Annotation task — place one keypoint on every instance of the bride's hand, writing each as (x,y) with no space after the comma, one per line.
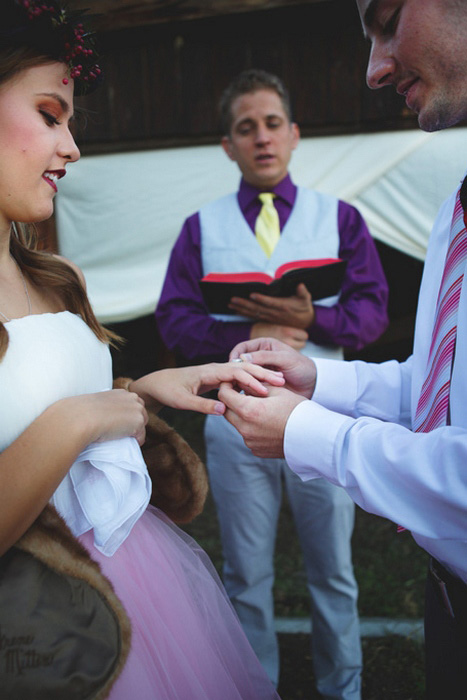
(181,387)
(109,415)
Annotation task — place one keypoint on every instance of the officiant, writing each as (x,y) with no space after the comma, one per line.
(268,222)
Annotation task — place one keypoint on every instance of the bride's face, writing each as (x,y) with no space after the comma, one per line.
(36,106)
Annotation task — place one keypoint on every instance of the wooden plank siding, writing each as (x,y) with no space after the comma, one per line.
(163,80)
(120,14)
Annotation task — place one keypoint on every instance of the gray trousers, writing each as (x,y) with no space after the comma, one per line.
(247,492)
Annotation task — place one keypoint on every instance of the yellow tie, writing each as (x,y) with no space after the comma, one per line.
(267,228)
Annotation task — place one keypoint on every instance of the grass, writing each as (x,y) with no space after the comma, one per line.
(393,669)
(390,569)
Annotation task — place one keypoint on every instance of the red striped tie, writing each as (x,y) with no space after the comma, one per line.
(433,404)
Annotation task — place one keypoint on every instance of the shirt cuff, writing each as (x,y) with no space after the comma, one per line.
(309,441)
(336,385)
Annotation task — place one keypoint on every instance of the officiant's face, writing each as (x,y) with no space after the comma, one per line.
(262,138)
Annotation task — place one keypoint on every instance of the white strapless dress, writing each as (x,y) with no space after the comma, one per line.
(187,643)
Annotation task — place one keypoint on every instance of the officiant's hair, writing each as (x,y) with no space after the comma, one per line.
(248,81)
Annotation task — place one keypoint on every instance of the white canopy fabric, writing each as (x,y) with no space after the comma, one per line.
(119,215)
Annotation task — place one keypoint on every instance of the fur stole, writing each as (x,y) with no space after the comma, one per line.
(67,608)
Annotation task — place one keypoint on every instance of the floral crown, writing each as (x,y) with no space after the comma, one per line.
(53,30)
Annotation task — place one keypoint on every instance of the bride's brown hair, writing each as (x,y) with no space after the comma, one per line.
(48,271)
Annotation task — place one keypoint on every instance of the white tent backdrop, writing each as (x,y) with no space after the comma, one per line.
(118,215)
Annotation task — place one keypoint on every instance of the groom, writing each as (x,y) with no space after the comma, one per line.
(394,436)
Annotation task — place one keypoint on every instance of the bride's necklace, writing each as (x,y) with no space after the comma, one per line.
(26,291)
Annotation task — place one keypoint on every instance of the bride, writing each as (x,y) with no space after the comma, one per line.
(65,436)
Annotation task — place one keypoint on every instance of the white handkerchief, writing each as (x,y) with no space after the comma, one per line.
(107,489)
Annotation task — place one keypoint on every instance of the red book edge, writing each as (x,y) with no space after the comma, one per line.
(262,276)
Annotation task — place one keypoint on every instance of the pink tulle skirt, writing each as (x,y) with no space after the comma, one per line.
(187,643)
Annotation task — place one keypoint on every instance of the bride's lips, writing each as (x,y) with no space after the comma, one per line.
(51,177)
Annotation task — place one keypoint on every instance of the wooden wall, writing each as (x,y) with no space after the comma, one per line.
(163,80)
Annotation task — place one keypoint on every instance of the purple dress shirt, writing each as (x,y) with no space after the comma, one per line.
(359,317)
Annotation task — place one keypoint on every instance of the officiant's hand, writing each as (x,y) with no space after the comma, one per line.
(293,337)
(295,311)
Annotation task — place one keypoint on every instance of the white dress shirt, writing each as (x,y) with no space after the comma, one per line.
(356,432)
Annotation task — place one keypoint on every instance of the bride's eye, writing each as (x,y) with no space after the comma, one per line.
(49,118)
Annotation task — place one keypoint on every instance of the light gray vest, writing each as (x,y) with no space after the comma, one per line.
(311,231)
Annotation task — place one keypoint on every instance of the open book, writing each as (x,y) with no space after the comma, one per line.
(323,278)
